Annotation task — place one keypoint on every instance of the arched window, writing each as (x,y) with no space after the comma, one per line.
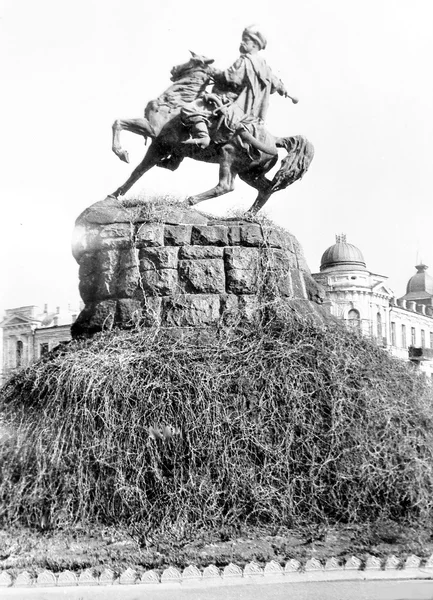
(19,353)
(354,318)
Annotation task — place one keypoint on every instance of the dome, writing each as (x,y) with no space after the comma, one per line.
(342,256)
(419,285)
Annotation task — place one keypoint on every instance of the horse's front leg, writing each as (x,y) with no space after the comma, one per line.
(227,175)
(264,187)
(153,155)
(139,126)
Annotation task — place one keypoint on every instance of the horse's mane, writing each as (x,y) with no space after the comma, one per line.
(185,89)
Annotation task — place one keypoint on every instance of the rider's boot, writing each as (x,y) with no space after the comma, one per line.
(200,135)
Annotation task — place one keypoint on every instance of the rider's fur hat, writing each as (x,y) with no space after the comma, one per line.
(253,32)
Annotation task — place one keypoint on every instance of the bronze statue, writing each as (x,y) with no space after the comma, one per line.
(245,86)
(227,125)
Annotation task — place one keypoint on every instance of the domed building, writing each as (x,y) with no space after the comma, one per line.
(420,287)
(355,294)
(362,298)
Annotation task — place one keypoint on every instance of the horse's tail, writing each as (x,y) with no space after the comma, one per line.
(300,153)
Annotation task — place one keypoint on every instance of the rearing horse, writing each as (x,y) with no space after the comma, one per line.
(249,156)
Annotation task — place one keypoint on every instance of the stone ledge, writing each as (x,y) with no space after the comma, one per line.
(331,569)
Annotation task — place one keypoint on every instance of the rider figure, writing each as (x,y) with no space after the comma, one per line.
(246,85)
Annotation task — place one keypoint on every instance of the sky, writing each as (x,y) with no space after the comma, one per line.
(361,71)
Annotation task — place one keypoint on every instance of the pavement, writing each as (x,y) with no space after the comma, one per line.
(321,590)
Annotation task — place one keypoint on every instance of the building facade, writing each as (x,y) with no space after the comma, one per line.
(29,332)
(404,326)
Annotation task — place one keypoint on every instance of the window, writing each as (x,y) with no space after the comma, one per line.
(412,336)
(19,353)
(379,325)
(422,338)
(431,339)
(354,318)
(43,349)
(403,336)
(393,334)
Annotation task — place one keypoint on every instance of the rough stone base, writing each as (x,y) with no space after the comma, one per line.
(166,265)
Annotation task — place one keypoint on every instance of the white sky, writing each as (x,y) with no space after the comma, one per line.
(362,70)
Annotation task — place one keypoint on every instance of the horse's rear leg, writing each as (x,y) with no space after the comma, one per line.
(150,160)
(139,126)
(226,183)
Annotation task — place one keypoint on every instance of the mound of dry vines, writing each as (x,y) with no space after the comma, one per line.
(285,422)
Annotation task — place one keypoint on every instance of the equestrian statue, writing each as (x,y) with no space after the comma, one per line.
(223,125)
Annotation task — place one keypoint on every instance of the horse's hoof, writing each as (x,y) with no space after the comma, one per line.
(189,201)
(124,156)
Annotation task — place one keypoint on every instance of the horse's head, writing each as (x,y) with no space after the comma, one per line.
(197,62)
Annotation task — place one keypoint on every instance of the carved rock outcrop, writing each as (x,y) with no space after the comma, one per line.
(152,263)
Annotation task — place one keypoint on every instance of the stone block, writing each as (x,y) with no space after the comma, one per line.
(229,308)
(127,283)
(128,313)
(242,270)
(149,234)
(249,307)
(116,235)
(251,235)
(276,283)
(127,276)
(205,276)
(160,283)
(88,263)
(277,259)
(299,254)
(109,210)
(315,291)
(298,284)
(158,258)
(234,235)
(101,285)
(106,285)
(241,258)
(151,314)
(200,252)
(276,238)
(242,281)
(190,310)
(88,288)
(209,235)
(177,235)
(84,239)
(107,259)
(96,316)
